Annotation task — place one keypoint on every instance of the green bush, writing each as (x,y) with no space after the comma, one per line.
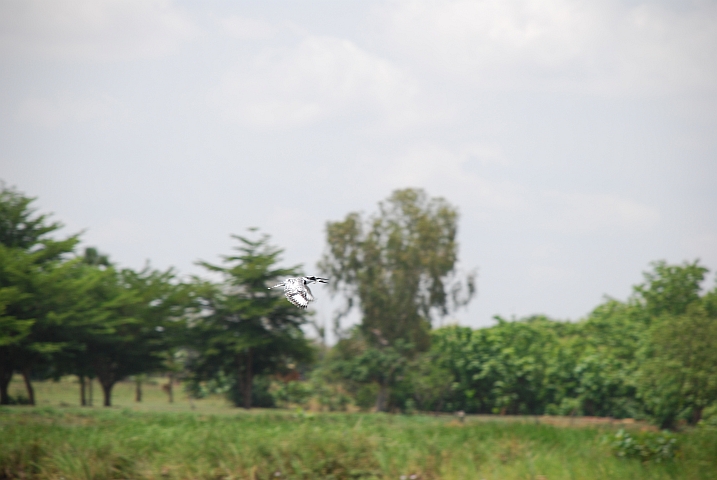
(647,446)
(261,397)
(366,396)
(709,417)
(286,394)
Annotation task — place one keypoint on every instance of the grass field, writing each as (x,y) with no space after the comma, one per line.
(156,440)
(66,393)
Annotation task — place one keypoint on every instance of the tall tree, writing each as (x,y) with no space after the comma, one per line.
(671,289)
(245,329)
(677,377)
(80,364)
(29,258)
(399,266)
(13,331)
(134,311)
(82,317)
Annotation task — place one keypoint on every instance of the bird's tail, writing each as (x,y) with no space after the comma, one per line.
(277,285)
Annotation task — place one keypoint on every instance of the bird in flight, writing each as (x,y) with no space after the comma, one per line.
(297,289)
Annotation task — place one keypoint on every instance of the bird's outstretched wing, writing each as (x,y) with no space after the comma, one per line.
(299,298)
(297,293)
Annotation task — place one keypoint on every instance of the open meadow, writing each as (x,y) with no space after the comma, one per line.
(154,439)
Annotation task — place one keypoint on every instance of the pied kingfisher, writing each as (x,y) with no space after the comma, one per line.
(297,289)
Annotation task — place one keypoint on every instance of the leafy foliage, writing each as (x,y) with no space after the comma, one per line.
(646,446)
(652,356)
(241,328)
(397,266)
(30,264)
(679,374)
(621,361)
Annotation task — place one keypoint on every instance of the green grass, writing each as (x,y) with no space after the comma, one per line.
(155,439)
(72,443)
(66,393)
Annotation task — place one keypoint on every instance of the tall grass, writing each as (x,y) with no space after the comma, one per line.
(47,443)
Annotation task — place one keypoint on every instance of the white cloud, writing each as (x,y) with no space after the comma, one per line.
(549,273)
(320,78)
(599,47)
(65,108)
(117,231)
(452,174)
(703,246)
(104,30)
(246,28)
(588,213)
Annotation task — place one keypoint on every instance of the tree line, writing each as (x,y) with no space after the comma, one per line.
(65,312)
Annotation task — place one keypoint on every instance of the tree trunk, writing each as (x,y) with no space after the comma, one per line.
(170,390)
(91,391)
(5,377)
(696,415)
(382,397)
(589,407)
(28,385)
(107,391)
(83,397)
(137,389)
(245,377)
(106,377)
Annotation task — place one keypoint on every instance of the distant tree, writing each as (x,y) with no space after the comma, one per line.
(79,362)
(13,331)
(509,368)
(671,289)
(652,356)
(20,226)
(241,328)
(679,376)
(427,383)
(398,266)
(134,308)
(93,257)
(606,362)
(355,361)
(30,260)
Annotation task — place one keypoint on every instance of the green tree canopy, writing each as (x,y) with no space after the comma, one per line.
(134,309)
(677,376)
(29,260)
(241,328)
(398,265)
(670,289)
(20,227)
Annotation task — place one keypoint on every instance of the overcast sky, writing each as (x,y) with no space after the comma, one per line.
(578,139)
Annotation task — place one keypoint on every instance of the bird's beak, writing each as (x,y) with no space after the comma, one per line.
(322,280)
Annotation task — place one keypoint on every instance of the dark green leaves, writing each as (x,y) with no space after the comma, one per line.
(241,328)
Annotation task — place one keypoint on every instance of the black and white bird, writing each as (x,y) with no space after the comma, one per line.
(297,289)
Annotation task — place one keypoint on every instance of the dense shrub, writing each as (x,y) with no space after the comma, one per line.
(646,446)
